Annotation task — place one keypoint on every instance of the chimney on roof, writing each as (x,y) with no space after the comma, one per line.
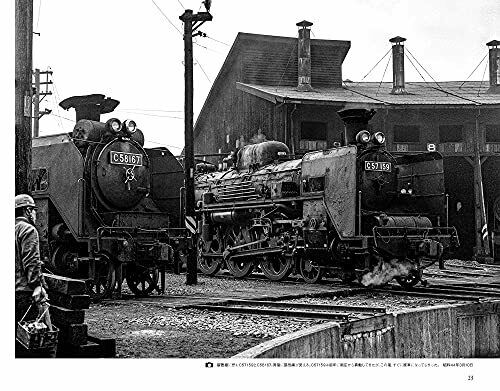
(494,62)
(304,53)
(398,65)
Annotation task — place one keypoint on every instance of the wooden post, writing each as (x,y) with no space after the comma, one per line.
(24,58)
(482,248)
(36,104)
(188,18)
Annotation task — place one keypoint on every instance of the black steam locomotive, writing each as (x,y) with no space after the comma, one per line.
(108,207)
(355,211)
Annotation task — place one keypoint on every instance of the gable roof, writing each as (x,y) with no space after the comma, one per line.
(273,60)
(444,94)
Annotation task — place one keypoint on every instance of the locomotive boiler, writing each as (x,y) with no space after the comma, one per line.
(356,211)
(108,207)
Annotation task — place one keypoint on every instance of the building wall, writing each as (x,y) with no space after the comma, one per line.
(429,121)
(230,114)
(459,172)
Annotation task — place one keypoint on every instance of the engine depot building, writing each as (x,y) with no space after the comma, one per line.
(290,89)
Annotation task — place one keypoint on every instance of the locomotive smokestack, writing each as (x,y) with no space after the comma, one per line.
(398,66)
(90,106)
(304,59)
(494,62)
(355,120)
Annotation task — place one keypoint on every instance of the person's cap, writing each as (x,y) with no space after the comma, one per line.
(23,200)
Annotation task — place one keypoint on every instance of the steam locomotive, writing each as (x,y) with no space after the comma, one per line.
(356,211)
(108,207)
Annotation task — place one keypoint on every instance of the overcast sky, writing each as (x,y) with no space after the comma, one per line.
(133,52)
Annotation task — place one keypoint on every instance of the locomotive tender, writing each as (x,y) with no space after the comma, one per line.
(355,211)
(108,207)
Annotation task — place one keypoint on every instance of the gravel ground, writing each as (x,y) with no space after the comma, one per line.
(155,331)
(387,301)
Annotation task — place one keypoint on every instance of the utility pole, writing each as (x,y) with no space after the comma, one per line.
(482,248)
(24,59)
(36,99)
(191,23)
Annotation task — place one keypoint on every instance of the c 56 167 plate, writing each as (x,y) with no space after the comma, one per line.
(130,159)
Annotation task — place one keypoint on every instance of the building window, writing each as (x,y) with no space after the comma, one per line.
(313,131)
(312,136)
(451,133)
(406,134)
(493,133)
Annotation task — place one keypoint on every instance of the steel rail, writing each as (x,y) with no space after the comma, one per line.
(326,307)
(271,312)
(443,296)
(471,292)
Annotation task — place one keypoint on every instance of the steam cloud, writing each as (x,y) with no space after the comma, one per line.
(258,138)
(385,271)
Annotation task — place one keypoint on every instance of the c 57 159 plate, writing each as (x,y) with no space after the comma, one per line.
(130,159)
(378,166)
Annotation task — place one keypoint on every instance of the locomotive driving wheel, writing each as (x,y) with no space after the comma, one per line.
(142,280)
(239,267)
(276,267)
(101,279)
(209,265)
(310,272)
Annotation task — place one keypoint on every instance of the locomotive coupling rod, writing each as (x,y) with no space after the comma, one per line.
(247,244)
(253,252)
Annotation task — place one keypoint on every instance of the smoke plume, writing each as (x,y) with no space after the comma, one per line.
(385,271)
(258,138)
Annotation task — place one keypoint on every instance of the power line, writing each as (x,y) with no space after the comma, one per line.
(166,17)
(60,116)
(179,31)
(38,17)
(149,115)
(216,40)
(163,144)
(160,110)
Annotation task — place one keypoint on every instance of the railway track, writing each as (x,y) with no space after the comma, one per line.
(460,292)
(342,313)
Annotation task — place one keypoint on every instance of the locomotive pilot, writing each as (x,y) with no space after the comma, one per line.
(30,284)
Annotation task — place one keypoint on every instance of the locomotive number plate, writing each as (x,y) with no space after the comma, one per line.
(378,166)
(131,159)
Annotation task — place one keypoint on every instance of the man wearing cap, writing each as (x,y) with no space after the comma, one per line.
(30,284)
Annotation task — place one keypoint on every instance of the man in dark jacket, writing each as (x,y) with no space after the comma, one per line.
(30,284)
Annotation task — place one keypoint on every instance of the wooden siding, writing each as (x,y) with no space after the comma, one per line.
(277,64)
(448,331)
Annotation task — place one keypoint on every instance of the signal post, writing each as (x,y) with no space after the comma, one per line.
(191,23)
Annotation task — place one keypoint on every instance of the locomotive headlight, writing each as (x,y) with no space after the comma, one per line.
(378,138)
(403,191)
(363,137)
(114,124)
(130,126)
